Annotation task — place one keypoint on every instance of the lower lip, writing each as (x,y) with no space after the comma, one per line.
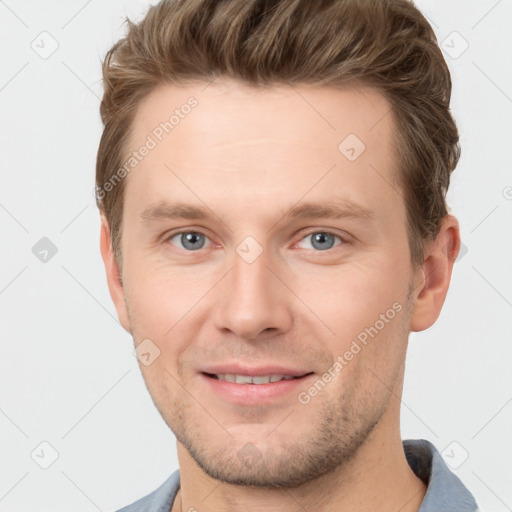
(257,394)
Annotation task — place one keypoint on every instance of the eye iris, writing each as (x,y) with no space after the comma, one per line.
(192,241)
(322,241)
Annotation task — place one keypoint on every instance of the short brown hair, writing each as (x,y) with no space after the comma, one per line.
(384,44)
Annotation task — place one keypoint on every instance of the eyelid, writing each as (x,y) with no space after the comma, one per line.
(181,230)
(169,235)
(345,239)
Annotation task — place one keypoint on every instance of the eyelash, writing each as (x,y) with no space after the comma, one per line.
(343,241)
(184,232)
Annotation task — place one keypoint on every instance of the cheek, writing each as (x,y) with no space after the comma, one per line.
(349,298)
(364,307)
(164,305)
(160,297)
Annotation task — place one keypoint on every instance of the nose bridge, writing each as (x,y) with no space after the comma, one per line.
(250,279)
(251,299)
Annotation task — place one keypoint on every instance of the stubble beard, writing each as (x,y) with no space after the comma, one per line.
(344,425)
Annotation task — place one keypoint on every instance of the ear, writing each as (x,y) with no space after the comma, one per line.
(432,279)
(114,281)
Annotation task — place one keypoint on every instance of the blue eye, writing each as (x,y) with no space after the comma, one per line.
(189,240)
(321,241)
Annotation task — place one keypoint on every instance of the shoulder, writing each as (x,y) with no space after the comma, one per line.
(160,500)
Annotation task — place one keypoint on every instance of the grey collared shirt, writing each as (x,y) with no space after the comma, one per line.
(445,491)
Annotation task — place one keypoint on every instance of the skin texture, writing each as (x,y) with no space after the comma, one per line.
(248,156)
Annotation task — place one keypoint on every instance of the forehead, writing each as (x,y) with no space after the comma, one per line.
(283,111)
(273,142)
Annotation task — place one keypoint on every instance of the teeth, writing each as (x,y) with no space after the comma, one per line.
(243,379)
(247,379)
(262,379)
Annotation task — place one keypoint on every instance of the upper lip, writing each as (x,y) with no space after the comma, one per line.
(254,371)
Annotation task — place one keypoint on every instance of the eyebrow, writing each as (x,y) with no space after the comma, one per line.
(331,210)
(163,210)
(342,208)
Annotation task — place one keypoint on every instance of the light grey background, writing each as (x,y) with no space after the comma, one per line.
(68,376)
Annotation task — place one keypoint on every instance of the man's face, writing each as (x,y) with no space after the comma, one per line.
(254,244)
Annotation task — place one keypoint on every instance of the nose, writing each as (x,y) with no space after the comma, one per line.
(252,301)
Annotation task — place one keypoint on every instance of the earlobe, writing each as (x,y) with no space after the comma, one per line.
(433,278)
(114,280)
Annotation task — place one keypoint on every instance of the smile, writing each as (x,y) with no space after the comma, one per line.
(248,379)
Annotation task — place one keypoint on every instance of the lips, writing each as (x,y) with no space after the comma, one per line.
(245,374)
(251,379)
(253,385)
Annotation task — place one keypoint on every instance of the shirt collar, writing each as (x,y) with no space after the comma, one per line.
(445,491)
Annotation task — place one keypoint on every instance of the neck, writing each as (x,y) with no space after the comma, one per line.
(376,477)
